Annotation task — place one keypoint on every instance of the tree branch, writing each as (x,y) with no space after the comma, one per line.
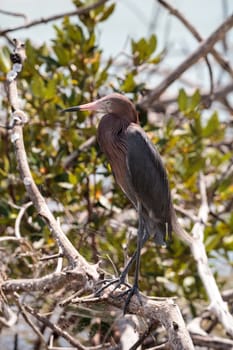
(201,51)
(195,241)
(36,22)
(18,120)
(221,60)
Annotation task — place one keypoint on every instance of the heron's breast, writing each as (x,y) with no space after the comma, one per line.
(113,143)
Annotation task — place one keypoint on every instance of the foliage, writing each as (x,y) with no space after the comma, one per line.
(83,193)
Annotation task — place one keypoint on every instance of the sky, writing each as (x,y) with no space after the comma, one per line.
(132,19)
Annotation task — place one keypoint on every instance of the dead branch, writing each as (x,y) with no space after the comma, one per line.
(212,342)
(48,283)
(221,60)
(14,14)
(196,243)
(19,218)
(194,32)
(80,11)
(58,330)
(29,322)
(201,51)
(219,94)
(18,121)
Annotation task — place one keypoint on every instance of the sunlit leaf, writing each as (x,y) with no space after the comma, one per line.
(182,100)
(212,125)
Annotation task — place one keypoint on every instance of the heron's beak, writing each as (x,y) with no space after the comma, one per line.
(92,106)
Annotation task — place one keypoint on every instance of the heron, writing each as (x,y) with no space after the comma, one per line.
(138,170)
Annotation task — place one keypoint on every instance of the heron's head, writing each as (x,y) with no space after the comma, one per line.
(111,104)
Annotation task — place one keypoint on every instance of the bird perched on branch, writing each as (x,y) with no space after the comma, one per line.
(138,170)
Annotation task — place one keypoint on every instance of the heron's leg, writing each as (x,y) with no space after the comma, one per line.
(121,279)
(140,241)
(144,238)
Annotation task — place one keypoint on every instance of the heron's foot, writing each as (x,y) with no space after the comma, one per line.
(119,281)
(134,290)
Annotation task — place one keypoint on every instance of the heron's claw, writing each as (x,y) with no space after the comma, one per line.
(119,281)
(134,290)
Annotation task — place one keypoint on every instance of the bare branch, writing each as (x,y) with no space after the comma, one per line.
(36,22)
(18,120)
(14,14)
(19,218)
(29,322)
(221,60)
(176,13)
(10,317)
(218,94)
(51,282)
(201,51)
(195,241)
(212,342)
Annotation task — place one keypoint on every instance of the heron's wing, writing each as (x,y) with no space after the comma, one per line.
(148,179)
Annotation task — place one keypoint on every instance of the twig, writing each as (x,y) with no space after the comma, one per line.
(29,322)
(10,238)
(222,61)
(164,346)
(54,327)
(10,318)
(36,22)
(59,331)
(201,51)
(83,147)
(191,28)
(51,347)
(186,213)
(14,14)
(19,218)
(51,257)
(217,95)
(54,318)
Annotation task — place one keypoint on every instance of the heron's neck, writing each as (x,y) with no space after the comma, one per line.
(113,142)
(111,134)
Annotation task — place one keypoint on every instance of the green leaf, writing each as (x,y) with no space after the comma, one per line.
(129,83)
(212,242)
(50,91)
(152,43)
(211,126)
(106,13)
(182,100)
(195,100)
(38,87)
(4,60)
(143,49)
